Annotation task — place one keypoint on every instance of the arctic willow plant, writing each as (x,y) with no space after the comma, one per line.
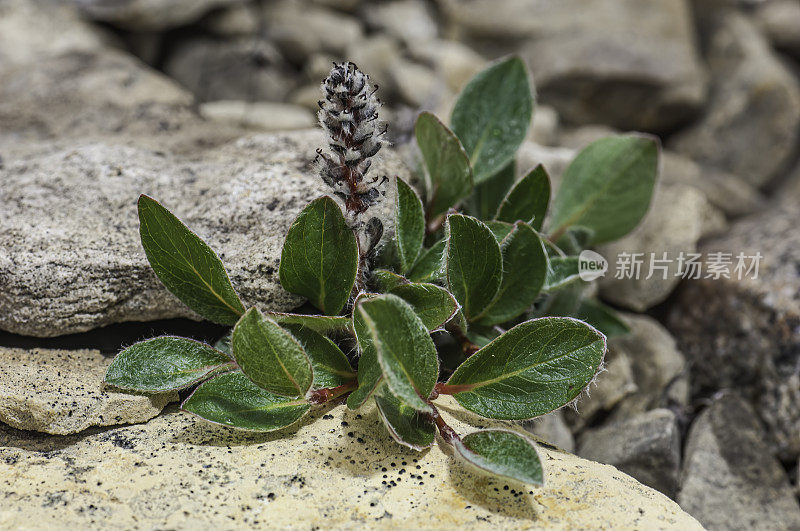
(496,283)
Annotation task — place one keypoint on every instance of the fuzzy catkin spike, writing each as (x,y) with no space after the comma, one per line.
(349,114)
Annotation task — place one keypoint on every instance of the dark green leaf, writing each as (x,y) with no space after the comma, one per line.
(369,370)
(575,239)
(561,270)
(320,256)
(500,229)
(429,266)
(492,115)
(223,344)
(602,317)
(409,229)
(536,367)
(406,353)
(270,356)
(433,304)
(528,199)
(330,365)
(406,425)
(386,280)
(608,186)
(164,364)
(324,324)
(232,399)
(487,196)
(563,302)
(446,163)
(503,453)
(186,265)
(474,263)
(524,270)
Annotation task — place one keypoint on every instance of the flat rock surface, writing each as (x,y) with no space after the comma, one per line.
(70,255)
(340,471)
(62,392)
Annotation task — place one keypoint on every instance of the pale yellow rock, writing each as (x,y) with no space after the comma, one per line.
(336,469)
(62,392)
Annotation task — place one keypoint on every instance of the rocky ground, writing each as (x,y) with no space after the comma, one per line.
(207,104)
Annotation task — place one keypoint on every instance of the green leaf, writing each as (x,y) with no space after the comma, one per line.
(528,199)
(369,370)
(320,256)
(270,356)
(324,324)
(503,453)
(330,366)
(561,271)
(524,270)
(406,425)
(232,399)
(433,304)
(575,239)
(492,115)
(607,188)
(448,171)
(406,353)
(602,317)
(429,266)
(534,368)
(387,280)
(164,364)
(487,196)
(186,265)
(409,225)
(474,263)
(500,229)
(223,344)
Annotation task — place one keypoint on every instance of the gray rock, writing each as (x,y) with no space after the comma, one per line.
(236,20)
(780,21)
(149,15)
(553,429)
(245,68)
(408,20)
(658,367)
(609,388)
(743,333)
(673,225)
(417,84)
(81,266)
(729,479)
(178,472)
(751,126)
(375,55)
(62,392)
(262,115)
(623,63)
(455,62)
(300,30)
(646,446)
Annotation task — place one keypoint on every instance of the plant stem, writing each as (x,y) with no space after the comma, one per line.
(442,388)
(468,347)
(448,434)
(321,396)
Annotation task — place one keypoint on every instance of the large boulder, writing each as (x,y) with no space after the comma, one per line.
(70,256)
(744,333)
(627,63)
(336,469)
(729,479)
(752,124)
(62,392)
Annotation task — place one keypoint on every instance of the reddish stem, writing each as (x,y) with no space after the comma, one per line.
(321,396)
(442,388)
(448,434)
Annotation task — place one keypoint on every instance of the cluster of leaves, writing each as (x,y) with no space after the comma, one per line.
(469,297)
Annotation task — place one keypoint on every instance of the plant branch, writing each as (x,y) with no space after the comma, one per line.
(448,434)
